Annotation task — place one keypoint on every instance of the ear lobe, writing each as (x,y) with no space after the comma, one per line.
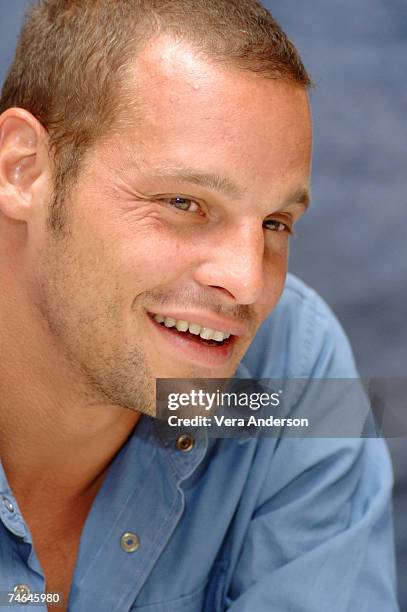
(20,163)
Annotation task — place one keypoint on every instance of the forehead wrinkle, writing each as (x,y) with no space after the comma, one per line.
(208,180)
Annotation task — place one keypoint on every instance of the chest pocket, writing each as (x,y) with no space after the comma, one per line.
(193,602)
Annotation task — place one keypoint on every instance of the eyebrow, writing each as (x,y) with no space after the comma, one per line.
(222,184)
(301,196)
(208,180)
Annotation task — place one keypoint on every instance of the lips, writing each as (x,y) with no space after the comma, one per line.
(192,347)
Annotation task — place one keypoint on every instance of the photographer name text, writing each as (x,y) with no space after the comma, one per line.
(222,421)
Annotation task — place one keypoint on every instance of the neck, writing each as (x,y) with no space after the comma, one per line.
(53,437)
(63,451)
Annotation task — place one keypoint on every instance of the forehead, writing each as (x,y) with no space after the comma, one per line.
(189,106)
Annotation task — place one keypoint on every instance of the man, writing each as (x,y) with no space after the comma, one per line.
(154,159)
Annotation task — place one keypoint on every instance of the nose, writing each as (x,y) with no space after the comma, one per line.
(234,262)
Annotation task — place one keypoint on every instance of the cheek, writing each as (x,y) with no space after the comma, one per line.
(152,252)
(275,273)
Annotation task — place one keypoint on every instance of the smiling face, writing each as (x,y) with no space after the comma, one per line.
(180,221)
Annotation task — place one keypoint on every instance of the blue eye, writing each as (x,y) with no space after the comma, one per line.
(185,204)
(277,226)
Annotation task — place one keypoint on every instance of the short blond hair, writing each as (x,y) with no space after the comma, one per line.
(70,66)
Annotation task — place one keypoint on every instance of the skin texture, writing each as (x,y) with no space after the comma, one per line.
(79,355)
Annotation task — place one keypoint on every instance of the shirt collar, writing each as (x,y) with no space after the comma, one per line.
(182,463)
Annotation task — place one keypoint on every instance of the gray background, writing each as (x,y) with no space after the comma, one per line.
(352,247)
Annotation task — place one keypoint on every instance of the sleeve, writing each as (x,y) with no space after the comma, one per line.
(320,535)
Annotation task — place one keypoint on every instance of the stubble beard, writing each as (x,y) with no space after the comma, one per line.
(102,371)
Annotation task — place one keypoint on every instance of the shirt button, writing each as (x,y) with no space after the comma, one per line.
(7,503)
(185,443)
(22,590)
(129,542)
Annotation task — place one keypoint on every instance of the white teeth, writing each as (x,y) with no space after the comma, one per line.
(168,322)
(195,329)
(206,333)
(182,326)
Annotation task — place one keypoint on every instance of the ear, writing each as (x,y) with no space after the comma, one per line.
(23,161)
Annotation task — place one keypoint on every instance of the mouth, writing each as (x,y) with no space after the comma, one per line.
(199,343)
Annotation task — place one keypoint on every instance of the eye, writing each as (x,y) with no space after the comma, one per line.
(181,203)
(277,226)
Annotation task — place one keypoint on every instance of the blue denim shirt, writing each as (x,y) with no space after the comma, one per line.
(246,525)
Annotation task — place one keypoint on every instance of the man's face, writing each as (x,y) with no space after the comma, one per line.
(182,218)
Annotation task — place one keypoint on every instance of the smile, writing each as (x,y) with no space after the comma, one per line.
(197,341)
(205,333)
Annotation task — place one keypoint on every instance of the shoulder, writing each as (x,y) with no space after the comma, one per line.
(300,338)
